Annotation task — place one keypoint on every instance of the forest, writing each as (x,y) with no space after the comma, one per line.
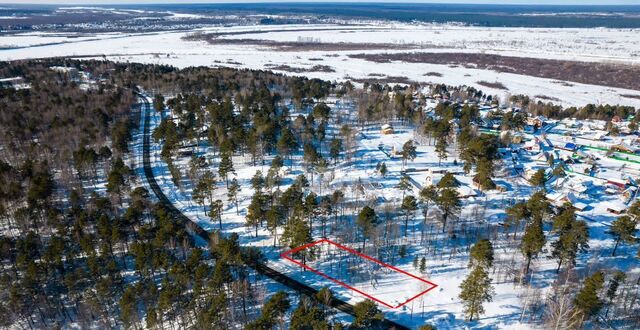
(83,242)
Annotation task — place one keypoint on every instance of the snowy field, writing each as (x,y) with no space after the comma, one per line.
(601,45)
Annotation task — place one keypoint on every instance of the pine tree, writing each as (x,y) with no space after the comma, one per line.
(204,188)
(297,233)
(538,179)
(256,211)
(623,229)
(287,143)
(587,300)
(428,195)
(408,152)
(272,312)
(334,150)
(257,181)
(308,316)
(481,254)
(516,214)
(409,206)
(215,211)
(612,291)
(366,314)
(366,221)
(448,180)
(225,167)
(533,241)
(449,203)
(427,327)
(404,184)
(158,102)
(441,149)
(476,290)
(275,218)
(232,193)
(383,169)
(573,237)
(538,206)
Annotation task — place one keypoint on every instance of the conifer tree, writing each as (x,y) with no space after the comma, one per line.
(441,149)
(428,195)
(367,314)
(427,327)
(449,203)
(408,152)
(215,211)
(404,184)
(533,241)
(256,211)
(476,290)
(623,229)
(409,206)
(335,148)
(573,237)
(481,254)
(297,233)
(225,167)
(612,290)
(366,221)
(587,300)
(515,215)
(423,265)
(287,143)
(383,169)
(538,179)
(232,193)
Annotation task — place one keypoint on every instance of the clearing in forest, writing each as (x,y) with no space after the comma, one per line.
(372,278)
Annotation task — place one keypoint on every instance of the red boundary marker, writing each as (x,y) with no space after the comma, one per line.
(286,255)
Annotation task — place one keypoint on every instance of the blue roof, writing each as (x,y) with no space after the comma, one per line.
(570,145)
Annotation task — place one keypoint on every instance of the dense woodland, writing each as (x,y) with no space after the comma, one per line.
(82,242)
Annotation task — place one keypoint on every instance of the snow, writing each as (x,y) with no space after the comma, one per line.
(446,258)
(603,45)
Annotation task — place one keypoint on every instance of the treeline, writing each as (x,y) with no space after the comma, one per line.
(604,112)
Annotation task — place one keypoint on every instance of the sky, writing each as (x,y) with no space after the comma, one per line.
(506,2)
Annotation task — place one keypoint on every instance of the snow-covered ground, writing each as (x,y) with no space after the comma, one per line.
(602,45)
(446,258)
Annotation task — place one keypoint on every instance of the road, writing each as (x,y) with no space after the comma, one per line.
(195,230)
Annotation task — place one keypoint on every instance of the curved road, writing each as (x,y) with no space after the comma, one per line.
(195,230)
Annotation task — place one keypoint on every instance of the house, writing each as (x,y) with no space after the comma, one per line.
(622,147)
(599,136)
(618,183)
(465,191)
(616,208)
(557,198)
(579,187)
(629,193)
(532,145)
(537,122)
(569,146)
(580,206)
(616,119)
(71,72)
(386,129)
(13,82)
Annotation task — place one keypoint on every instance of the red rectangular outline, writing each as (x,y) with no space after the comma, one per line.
(286,254)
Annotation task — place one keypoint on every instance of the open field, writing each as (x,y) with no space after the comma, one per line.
(339,45)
